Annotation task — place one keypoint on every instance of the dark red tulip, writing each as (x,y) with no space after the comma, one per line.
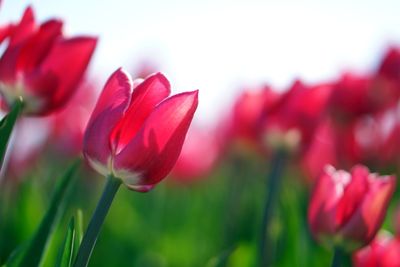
(384,251)
(358,95)
(40,65)
(390,65)
(347,209)
(136,131)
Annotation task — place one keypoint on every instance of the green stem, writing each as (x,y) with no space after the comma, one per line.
(90,237)
(7,125)
(273,189)
(338,257)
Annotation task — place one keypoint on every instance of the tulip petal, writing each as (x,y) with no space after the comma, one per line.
(34,50)
(366,220)
(109,109)
(25,28)
(66,62)
(5,31)
(144,98)
(150,156)
(322,209)
(353,194)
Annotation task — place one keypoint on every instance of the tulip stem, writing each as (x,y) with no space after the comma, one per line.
(273,189)
(338,256)
(7,125)
(90,237)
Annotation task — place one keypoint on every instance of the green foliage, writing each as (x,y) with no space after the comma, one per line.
(30,254)
(67,251)
(6,127)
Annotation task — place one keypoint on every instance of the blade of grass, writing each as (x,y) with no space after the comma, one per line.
(35,249)
(65,257)
(78,230)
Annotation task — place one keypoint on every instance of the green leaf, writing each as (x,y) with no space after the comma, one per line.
(79,225)
(221,260)
(6,127)
(37,245)
(65,258)
(16,256)
(78,230)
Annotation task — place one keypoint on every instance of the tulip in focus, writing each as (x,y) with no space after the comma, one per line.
(40,65)
(347,209)
(136,132)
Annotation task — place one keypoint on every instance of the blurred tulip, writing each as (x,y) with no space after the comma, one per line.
(40,65)
(357,95)
(384,251)
(246,115)
(138,135)
(347,209)
(69,123)
(321,152)
(200,154)
(301,109)
(390,65)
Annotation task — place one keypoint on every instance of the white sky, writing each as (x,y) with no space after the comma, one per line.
(217,46)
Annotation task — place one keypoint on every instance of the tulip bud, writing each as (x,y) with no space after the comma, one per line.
(347,209)
(136,133)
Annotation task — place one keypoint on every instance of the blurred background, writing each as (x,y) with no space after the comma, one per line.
(208,212)
(220,46)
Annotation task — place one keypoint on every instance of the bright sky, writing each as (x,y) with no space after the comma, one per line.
(217,46)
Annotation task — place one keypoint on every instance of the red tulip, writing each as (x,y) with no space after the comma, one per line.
(347,209)
(137,135)
(384,251)
(246,114)
(40,65)
(390,65)
(321,151)
(358,95)
(300,109)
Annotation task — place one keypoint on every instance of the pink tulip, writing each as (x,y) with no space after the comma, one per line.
(135,132)
(384,251)
(347,209)
(40,65)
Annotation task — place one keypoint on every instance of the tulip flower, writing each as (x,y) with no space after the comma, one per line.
(390,65)
(384,251)
(39,69)
(134,136)
(300,110)
(246,114)
(40,65)
(137,135)
(347,209)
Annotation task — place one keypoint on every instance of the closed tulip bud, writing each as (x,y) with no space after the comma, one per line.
(136,132)
(347,209)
